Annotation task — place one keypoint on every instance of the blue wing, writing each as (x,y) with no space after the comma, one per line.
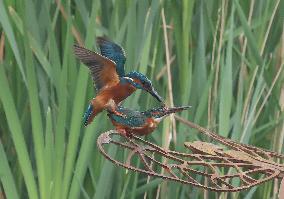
(113,52)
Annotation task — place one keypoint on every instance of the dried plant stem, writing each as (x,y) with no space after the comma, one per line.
(148,178)
(170,87)
(281,100)
(249,94)
(268,93)
(2,44)
(279,136)
(210,102)
(280,68)
(168,62)
(164,69)
(243,66)
(269,27)
(223,16)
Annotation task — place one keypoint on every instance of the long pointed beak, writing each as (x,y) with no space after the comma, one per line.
(161,114)
(169,111)
(176,109)
(155,94)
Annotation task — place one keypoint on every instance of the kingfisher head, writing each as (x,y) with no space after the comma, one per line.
(140,81)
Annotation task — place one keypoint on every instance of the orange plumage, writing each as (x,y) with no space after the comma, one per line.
(149,126)
(116,93)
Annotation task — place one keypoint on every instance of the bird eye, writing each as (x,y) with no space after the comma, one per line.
(147,86)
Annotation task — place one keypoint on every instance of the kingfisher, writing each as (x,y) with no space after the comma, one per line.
(110,80)
(140,122)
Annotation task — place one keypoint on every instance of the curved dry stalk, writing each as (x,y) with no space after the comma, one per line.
(169,75)
(205,166)
(2,45)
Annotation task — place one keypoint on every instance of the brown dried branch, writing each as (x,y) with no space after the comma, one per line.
(169,75)
(251,165)
(2,45)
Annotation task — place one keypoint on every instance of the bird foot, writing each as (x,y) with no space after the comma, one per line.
(111,107)
(119,114)
(164,106)
(125,133)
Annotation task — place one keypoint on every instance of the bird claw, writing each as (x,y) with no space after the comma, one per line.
(111,107)
(125,133)
(119,114)
(164,106)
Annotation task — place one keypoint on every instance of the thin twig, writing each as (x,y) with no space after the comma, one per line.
(280,144)
(210,101)
(250,119)
(280,137)
(223,16)
(148,178)
(245,38)
(169,89)
(249,95)
(269,27)
(269,92)
(243,63)
(2,45)
(210,94)
(164,69)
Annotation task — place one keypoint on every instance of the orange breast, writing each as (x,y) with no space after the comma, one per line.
(121,92)
(149,127)
(118,93)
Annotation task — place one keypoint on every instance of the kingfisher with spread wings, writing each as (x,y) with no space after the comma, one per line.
(110,80)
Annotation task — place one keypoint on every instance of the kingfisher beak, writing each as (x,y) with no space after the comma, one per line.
(155,94)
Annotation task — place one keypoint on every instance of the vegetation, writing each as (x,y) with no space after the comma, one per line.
(224,58)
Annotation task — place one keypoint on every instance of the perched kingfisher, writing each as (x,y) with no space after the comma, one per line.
(140,123)
(107,70)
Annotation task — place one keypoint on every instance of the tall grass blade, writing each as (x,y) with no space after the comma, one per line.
(17,135)
(6,176)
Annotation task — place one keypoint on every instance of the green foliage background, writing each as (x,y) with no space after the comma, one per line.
(226,61)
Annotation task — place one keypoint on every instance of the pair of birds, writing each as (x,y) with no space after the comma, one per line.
(113,86)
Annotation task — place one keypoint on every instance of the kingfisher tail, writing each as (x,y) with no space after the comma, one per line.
(87,116)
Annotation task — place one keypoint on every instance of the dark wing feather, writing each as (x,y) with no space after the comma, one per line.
(103,70)
(113,52)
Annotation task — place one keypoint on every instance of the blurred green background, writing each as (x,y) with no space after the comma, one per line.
(224,58)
